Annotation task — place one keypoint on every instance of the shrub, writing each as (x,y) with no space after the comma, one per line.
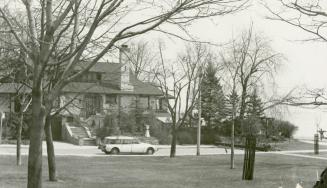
(186,137)
(110,127)
(161,133)
(13,124)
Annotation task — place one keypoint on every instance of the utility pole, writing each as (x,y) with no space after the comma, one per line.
(199,116)
(1,127)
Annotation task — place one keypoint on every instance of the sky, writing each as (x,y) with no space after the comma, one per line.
(305,64)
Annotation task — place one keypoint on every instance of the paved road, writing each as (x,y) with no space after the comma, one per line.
(65,149)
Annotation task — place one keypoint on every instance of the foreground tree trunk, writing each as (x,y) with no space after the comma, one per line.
(50,150)
(249,158)
(34,179)
(19,139)
(173,142)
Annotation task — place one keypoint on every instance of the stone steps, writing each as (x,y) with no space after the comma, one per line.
(79,132)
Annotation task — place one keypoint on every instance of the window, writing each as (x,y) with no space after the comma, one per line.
(127,141)
(111,141)
(111,99)
(93,104)
(98,76)
(136,142)
(91,77)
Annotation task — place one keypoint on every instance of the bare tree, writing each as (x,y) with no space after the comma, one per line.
(13,72)
(141,59)
(232,100)
(246,63)
(24,101)
(309,16)
(179,84)
(251,59)
(89,38)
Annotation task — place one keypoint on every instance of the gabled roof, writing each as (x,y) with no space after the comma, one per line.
(102,67)
(113,75)
(140,88)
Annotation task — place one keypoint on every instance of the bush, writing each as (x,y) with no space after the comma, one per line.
(161,133)
(13,124)
(186,137)
(110,127)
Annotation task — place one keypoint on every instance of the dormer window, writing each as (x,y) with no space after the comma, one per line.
(91,77)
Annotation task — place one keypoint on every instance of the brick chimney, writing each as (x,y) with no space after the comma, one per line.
(125,83)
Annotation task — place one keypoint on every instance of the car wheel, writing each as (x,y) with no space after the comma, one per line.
(114,151)
(150,151)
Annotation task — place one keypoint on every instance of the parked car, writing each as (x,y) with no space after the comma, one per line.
(125,144)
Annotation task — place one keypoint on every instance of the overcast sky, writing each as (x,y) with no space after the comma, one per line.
(305,64)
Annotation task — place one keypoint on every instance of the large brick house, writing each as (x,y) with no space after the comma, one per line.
(106,88)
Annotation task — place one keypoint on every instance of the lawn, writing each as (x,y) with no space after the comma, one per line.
(295,145)
(271,170)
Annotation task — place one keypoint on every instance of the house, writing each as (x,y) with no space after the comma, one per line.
(105,89)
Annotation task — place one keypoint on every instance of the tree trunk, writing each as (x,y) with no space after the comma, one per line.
(36,136)
(232,144)
(19,139)
(249,158)
(173,142)
(50,150)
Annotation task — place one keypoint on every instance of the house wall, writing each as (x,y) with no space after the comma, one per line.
(127,102)
(111,78)
(76,105)
(110,106)
(124,103)
(153,103)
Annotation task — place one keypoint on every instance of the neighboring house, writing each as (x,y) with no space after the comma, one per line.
(106,88)
(8,94)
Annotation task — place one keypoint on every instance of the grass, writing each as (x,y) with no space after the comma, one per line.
(271,170)
(295,145)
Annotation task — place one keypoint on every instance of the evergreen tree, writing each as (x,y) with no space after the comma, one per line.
(254,113)
(255,106)
(212,96)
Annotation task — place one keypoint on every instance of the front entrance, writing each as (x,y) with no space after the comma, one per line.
(93,104)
